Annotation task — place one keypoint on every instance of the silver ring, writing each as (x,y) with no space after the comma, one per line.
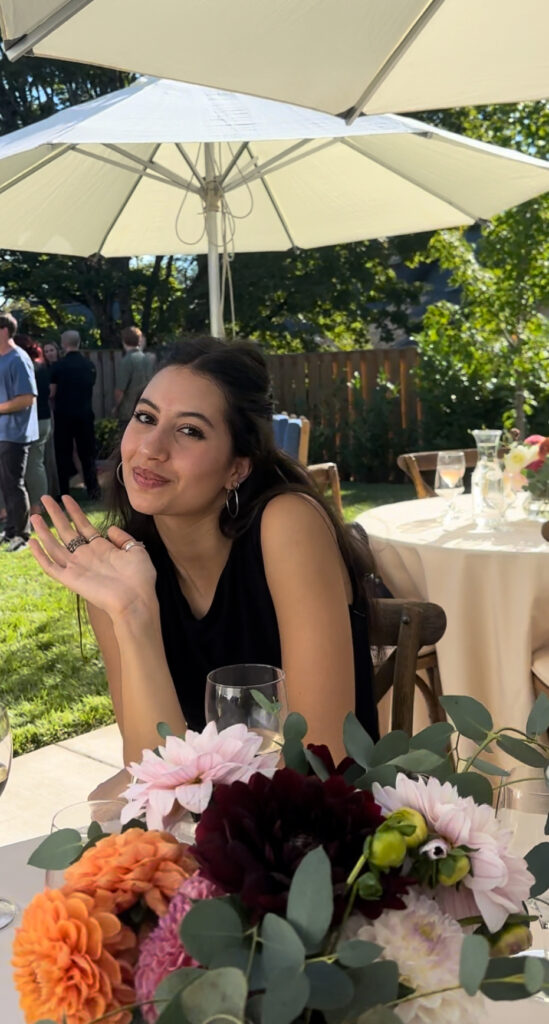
(132,544)
(94,537)
(75,543)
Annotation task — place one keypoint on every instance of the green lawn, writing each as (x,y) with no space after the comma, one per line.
(50,690)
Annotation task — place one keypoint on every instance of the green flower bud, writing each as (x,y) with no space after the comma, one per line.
(511,939)
(461,866)
(369,887)
(408,817)
(388,849)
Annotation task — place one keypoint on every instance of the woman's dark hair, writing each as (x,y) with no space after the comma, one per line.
(240,371)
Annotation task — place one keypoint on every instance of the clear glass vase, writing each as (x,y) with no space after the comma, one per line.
(487,482)
(536,507)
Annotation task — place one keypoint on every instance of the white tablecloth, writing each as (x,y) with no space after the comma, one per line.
(493,587)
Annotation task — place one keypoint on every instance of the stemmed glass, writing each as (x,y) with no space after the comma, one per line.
(252,695)
(449,481)
(7,907)
(524,807)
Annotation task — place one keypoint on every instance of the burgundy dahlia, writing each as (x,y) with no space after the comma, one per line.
(252,837)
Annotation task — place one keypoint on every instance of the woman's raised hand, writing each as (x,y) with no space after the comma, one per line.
(112,573)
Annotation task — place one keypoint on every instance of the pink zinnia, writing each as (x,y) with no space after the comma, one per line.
(161,952)
(500,881)
(184,771)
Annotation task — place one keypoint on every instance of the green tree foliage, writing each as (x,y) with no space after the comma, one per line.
(484,359)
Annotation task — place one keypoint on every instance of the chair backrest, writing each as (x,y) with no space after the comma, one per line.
(415,464)
(291,433)
(405,626)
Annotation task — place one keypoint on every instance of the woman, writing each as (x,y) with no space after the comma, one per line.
(51,352)
(222,554)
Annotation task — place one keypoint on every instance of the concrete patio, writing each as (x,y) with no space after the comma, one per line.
(42,782)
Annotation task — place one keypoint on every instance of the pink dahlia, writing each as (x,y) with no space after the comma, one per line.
(184,771)
(499,881)
(161,952)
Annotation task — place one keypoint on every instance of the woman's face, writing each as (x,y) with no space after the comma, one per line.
(50,353)
(177,452)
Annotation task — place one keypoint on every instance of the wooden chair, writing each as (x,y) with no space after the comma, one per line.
(326,477)
(415,464)
(407,627)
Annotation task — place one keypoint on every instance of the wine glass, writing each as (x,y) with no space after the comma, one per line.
(252,695)
(524,807)
(449,481)
(7,907)
(79,816)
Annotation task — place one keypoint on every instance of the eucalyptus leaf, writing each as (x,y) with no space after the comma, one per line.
(163,730)
(57,850)
(534,974)
(331,988)
(134,823)
(472,784)
(170,1014)
(95,831)
(435,737)
(538,719)
(522,751)
(487,768)
(375,984)
(295,726)
(217,994)
(469,716)
(385,774)
(282,946)
(176,981)
(272,707)
(390,747)
(293,753)
(317,765)
(285,997)
(355,953)
(311,898)
(358,744)
(208,928)
(546,829)
(475,954)
(538,864)
(239,956)
(494,985)
(353,772)
(418,761)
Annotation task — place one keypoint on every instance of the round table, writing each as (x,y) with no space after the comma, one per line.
(494,588)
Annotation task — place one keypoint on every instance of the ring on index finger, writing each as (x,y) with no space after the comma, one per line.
(75,543)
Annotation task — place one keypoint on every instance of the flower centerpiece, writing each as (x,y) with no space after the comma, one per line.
(527,468)
(380,890)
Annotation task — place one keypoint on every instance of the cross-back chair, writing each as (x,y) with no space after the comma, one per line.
(407,627)
(419,465)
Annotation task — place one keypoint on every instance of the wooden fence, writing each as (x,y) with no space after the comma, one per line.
(313,384)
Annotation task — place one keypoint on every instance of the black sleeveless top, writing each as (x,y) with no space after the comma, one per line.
(239,627)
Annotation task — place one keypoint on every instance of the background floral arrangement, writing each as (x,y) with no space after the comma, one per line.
(376,891)
(527,466)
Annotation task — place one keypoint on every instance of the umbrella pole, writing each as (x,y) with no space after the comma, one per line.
(212,207)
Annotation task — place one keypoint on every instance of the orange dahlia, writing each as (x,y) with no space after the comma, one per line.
(69,960)
(131,865)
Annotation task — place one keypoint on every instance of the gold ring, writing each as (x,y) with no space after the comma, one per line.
(75,543)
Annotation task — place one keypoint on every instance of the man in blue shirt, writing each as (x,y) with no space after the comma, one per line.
(18,427)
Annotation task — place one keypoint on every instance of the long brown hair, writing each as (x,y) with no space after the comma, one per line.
(239,369)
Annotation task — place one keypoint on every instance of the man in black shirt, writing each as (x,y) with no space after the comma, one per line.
(71,389)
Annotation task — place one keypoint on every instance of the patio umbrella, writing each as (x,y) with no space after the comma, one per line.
(360,55)
(164,167)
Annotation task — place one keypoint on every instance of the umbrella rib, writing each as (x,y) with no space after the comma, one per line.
(15,48)
(164,172)
(232,163)
(275,205)
(121,208)
(146,173)
(392,60)
(412,181)
(258,171)
(36,167)
(192,166)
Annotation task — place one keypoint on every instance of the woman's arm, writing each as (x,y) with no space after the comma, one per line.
(310,589)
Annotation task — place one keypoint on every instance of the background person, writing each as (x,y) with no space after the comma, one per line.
(242,561)
(36,477)
(18,428)
(71,389)
(134,373)
(51,352)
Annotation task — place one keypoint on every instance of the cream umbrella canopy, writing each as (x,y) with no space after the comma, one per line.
(341,56)
(165,167)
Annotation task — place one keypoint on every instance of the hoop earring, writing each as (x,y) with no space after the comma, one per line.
(234,509)
(119,476)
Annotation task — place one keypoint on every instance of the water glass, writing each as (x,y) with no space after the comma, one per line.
(251,695)
(449,475)
(80,816)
